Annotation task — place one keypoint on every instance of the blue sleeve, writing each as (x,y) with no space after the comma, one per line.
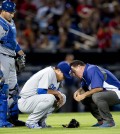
(18,48)
(41,91)
(97,79)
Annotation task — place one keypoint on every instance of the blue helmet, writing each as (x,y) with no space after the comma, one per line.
(8,6)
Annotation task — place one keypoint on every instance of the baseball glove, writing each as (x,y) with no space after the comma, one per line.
(72,124)
(20,63)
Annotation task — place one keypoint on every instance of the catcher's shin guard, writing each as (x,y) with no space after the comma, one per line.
(4,107)
(14,114)
(13,108)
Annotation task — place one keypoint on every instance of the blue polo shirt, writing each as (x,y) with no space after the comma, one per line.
(94,78)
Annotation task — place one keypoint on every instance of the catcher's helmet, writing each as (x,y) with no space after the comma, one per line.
(8,6)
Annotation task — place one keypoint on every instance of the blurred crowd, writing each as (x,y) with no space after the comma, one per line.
(56,25)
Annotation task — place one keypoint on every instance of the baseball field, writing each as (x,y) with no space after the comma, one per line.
(57,119)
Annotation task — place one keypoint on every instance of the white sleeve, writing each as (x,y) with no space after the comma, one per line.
(2,32)
(45,81)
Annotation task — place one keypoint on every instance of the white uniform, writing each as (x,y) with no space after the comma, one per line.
(38,105)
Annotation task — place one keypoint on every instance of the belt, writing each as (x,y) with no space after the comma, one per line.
(8,55)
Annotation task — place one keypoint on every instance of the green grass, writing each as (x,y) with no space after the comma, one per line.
(57,119)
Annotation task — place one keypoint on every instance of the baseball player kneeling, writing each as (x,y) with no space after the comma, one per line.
(40,95)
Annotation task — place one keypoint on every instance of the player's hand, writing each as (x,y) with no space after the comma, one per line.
(60,99)
(80,97)
(58,96)
(77,93)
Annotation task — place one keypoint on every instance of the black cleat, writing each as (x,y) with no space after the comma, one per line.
(17,122)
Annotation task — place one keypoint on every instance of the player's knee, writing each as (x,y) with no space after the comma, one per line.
(64,99)
(13,95)
(96,98)
(52,99)
(15,90)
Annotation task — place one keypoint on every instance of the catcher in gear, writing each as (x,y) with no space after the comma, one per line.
(9,48)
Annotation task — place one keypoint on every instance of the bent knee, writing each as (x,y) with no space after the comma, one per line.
(96,97)
(64,99)
(52,99)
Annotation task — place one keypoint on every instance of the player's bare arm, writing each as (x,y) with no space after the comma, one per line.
(78,92)
(79,97)
(20,52)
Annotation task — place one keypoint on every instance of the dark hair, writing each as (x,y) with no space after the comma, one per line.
(76,63)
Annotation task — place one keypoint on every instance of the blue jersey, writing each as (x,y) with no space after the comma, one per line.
(8,35)
(94,77)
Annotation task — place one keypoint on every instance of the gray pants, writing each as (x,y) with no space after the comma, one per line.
(7,65)
(99,103)
(38,106)
(9,70)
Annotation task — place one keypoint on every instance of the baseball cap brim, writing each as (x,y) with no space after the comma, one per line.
(67,76)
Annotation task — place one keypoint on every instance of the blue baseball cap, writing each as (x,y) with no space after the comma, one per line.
(65,69)
(8,6)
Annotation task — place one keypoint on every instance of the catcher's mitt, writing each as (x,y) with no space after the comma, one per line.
(20,63)
(72,124)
